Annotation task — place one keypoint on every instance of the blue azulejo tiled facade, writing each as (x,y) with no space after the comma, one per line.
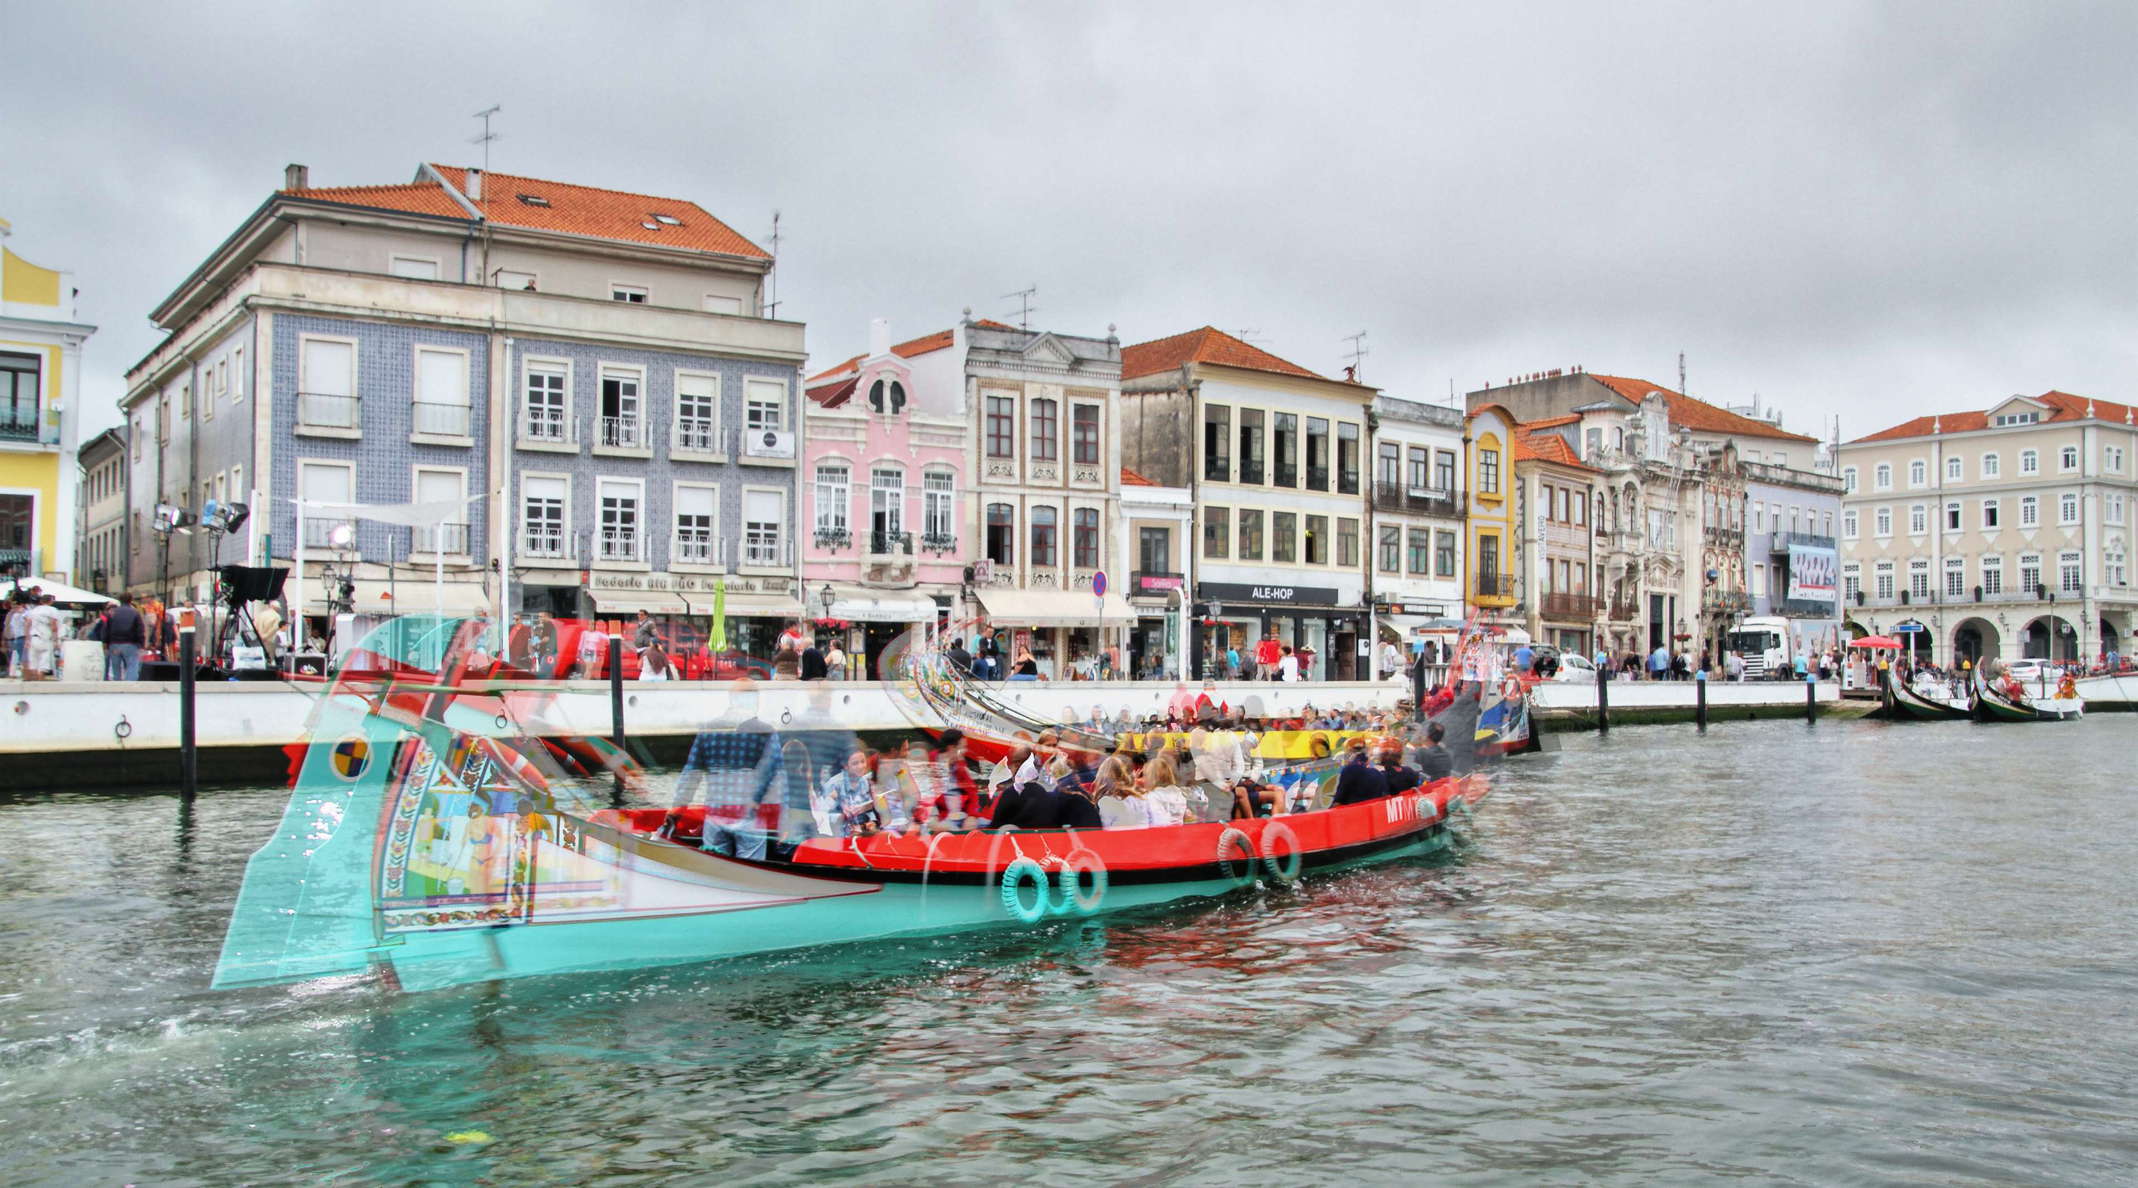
(389,400)
(663,427)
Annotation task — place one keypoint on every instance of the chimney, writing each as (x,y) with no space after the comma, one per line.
(474,185)
(879,337)
(296,177)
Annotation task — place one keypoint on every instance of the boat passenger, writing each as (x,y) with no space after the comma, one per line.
(1167,799)
(1004,776)
(1360,780)
(1401,779)
(1434,761)
(847,805)
(1120,800)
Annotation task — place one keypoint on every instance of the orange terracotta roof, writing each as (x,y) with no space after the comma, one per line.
(1553,422)
(1697,415)
(925,344)
(2063,406)
(834,395)
(1207,345)
(572,209)
(1545,447)
(1130,478)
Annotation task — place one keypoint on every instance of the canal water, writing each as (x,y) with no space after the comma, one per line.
(1842,953)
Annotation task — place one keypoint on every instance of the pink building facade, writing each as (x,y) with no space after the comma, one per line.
(885,449)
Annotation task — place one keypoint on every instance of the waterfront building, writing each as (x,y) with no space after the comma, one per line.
(40,411)
(886,444)
(2003,531)
(1416,516)
(1274,455)
(1045,510)
(1793,555)
(100,535)
(1157,554)
(1489,431)
(585,373)
(1670,549)
(1554,547)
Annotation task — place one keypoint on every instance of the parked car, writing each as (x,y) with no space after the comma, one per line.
(1575,669)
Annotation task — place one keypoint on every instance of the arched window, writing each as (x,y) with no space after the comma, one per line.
(1882,478)
(1044,520)
(2029,462)
(1918,473)
(1952,469)
(1848,479)
(887,396)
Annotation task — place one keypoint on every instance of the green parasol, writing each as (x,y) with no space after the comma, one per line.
(719,637)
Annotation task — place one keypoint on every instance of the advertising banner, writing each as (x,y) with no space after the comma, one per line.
(1813,573)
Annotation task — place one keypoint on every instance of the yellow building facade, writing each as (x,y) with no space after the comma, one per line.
(1489,582)
(40,380)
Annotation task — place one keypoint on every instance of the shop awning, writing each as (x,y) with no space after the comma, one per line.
(1055,608)
(653,602)
(408,598)
(749,606)
(858,605)
(1406,625)
(62,593)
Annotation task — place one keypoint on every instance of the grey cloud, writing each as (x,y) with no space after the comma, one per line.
(1858,210)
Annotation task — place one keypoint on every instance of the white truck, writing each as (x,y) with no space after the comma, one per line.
(1765,643)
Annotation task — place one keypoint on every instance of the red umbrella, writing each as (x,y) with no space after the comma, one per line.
(1875,641)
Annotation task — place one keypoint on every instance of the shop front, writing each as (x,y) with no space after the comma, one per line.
(753,611)
(1058,627)
(1309,618)
(868,621)
(1154,643)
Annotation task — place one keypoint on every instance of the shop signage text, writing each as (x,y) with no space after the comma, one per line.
(1241,592)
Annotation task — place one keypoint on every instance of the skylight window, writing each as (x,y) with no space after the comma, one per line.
(534,199)
(667,220)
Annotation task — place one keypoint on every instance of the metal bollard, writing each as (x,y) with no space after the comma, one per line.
(1811,697)
(1603,701)
(1700,700)
(188,755)
(616,690)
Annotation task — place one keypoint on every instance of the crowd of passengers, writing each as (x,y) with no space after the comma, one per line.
(1044,784)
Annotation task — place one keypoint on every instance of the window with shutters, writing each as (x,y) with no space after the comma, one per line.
(694,543)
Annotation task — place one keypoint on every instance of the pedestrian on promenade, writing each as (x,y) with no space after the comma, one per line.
(45,628)
(1232,661)
(124,633)
(835,661)
(1659,663)
(1734,665)
(17,631)
(1268,654)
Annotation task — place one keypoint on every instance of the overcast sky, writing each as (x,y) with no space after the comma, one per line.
(1869,211)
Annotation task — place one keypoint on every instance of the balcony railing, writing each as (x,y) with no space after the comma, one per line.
(1570,606)
(1217,468)
(1287,476)
(441,420)
(319,533)
(696,435)
(448,539)
(623,433)
(619,544)
(940,542)
(1250,473)
(21,562)
(14,428)
(546,544)
(1318,478)
(1625,612)
(322,410)
(1396,497)
(833,538)
(1726,537)
(1495,585)
(890,544)
(762,549)
(693,546)
(549,426)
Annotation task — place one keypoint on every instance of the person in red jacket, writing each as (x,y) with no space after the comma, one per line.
(1268,654)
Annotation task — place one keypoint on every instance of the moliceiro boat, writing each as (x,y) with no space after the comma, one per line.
(1928,701)
(2003,699)
(433,839)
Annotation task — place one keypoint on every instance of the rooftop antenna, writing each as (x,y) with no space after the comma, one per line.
(1248,334)
(1681,375)
(772,273)
(1024,311)
(487,135)
(1358,350)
